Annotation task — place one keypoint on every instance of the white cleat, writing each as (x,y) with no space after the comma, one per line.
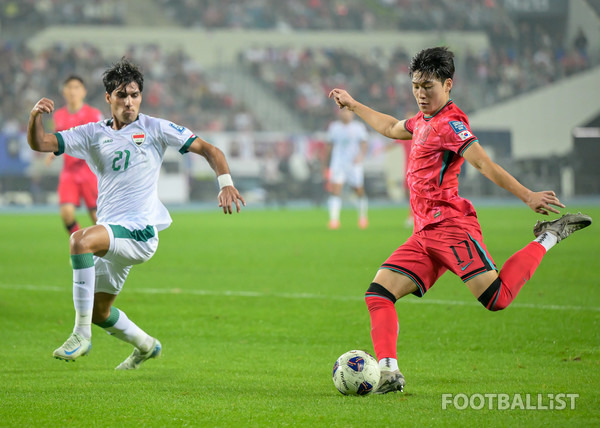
(390,381)
(137,357)
(76,346)
(564,226)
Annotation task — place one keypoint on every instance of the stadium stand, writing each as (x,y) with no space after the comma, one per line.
(522,53)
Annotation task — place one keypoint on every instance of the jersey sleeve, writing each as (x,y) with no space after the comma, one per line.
(176,136)
(409,125)
(75,141)
(457,136)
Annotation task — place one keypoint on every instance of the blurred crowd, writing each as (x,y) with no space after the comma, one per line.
(510,67)
(522,56)
(175,86)
(27,14)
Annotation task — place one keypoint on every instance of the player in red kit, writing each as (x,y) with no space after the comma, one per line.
(447,234)
(76,180)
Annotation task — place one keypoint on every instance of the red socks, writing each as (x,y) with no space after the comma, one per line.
(384,321)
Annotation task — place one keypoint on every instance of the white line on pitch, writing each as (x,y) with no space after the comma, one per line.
(241,293)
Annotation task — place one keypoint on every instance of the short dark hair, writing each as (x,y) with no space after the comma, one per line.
(73,77)
(122,73)
(434,62)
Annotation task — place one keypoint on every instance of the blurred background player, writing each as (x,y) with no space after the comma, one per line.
(447,234)
(347,150)
(76,180)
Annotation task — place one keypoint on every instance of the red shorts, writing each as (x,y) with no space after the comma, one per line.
(455,244)
(74,186)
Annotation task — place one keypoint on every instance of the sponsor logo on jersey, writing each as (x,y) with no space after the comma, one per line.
(460,129)
(177,128)
(138,139)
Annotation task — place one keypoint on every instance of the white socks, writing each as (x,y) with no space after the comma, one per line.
(119,325)
(547,240)
(84,276)
(363,207)
(335,206)
(388,364)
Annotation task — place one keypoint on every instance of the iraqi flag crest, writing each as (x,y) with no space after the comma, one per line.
(138,139)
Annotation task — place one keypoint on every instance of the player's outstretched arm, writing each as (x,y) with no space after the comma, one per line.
(540,202)
(385,124)
(38,139)
(228,195)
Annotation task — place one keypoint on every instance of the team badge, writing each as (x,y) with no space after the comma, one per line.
(138,139)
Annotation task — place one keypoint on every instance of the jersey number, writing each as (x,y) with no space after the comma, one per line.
(118,160)
(456,252)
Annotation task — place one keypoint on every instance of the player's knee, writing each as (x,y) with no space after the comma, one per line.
(77,242)
(378,290)
(489,298)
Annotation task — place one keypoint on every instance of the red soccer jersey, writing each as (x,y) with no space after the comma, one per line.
(64,120)
(434,164)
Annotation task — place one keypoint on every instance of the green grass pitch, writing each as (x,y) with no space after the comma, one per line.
(253,309)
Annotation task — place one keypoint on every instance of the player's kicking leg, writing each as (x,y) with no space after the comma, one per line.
(520,267)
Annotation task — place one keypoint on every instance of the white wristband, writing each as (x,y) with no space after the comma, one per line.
(224,180)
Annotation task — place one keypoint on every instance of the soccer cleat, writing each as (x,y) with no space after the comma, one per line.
(390,381)
(76,346)
(334,224)
(564,226)
(137,357)
(363,222)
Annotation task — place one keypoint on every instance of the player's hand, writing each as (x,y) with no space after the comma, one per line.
(342,98)
(228,196)
(543,202)
(45,105)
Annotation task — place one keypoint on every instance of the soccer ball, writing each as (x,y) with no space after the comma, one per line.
(356,373)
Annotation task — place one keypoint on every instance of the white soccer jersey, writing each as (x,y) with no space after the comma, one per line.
(346,139)
(127,163)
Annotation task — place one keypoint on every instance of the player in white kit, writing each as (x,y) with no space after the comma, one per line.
(348,148)
(126,153)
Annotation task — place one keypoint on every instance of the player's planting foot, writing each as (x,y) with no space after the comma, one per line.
(137,357)
(76,346)
(564,226)
(363,223)
(390,381)
(334,224)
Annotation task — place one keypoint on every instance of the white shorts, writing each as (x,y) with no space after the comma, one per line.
(127,248)
(353,174)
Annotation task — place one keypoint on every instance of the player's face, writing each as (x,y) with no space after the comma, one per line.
(74,93)
(430,93)
(125,103)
